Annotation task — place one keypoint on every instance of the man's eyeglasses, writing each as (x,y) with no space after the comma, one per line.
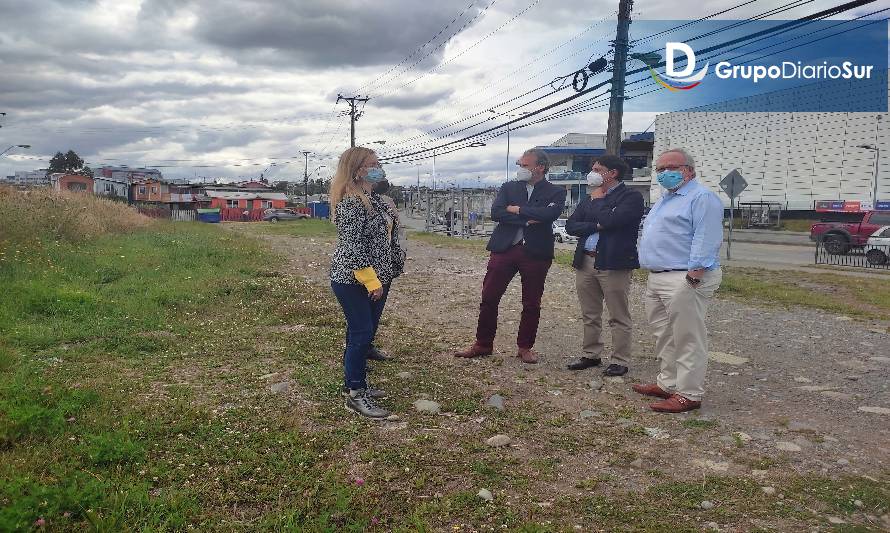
(669,167)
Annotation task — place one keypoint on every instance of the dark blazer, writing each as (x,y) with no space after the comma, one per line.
(545,205)
(619,213)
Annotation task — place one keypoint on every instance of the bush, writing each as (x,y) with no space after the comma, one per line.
(34,215)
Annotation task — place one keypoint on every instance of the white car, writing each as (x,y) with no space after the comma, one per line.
(877,248)
(559,231)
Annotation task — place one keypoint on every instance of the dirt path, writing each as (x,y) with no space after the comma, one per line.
(785,387)
(807,372)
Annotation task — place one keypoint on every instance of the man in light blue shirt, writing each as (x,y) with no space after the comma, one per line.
(680,245)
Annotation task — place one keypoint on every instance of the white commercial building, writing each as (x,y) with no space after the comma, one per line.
(795,159)
(29,178)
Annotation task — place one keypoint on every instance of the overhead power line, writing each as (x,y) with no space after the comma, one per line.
(465,50)
(432,51)
(418,49)
(484,110)
(782,28)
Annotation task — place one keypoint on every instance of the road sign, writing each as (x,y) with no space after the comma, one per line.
(733,184)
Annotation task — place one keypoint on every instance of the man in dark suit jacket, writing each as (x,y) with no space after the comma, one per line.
(521,242)
(606,224)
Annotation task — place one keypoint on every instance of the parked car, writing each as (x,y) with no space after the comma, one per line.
(877,248)
(274,215)
(559,231)
(840,237)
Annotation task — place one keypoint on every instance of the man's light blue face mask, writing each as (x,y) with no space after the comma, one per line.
(670,179)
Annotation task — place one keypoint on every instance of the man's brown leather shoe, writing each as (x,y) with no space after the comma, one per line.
(675,404)
(651,389)
(527,355)
(473,351)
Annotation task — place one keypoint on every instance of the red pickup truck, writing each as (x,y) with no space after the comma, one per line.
(840,237)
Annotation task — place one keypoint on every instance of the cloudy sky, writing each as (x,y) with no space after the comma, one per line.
(232,88)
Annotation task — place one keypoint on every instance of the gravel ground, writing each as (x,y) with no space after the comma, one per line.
(786,387)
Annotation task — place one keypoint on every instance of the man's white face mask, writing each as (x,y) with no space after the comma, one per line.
(594,179)
(523,174)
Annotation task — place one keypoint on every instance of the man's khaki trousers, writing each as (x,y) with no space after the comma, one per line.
(612,286)
(676,312)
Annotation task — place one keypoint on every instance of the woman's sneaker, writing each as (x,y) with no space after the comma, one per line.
(372,392)
(362,403)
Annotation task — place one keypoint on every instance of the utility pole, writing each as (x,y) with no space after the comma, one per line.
(417,200)
(353,115)
(306,178)
(619,67)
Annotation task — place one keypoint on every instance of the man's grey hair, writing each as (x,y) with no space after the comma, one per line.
(690,162)
(540,157)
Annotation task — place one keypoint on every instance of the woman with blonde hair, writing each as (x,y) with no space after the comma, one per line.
(366,260)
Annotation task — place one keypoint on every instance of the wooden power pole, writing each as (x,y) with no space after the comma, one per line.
(353,115)
(619,68)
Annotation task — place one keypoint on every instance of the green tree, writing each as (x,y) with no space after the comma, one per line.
(69,163)
(396,192)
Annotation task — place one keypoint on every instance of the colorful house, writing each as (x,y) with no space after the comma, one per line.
(72,182)
(247,200)
(110,187)
(150,190)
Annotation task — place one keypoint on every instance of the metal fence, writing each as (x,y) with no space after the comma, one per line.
(868,256)
(184,215)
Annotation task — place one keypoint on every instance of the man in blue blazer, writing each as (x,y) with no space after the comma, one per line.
(521,242)
(606,224)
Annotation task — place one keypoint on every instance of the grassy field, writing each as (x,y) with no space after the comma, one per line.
(854,296)
(865,297)
(136,368)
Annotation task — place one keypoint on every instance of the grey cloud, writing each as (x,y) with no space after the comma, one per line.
(413,100)
(325,33)
(214,141)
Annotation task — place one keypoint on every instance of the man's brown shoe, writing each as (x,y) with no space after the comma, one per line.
(527,355)
(473,351)
(675,404)
(651,389)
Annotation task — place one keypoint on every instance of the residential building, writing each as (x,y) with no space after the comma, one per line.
(150,190)
(129,174)
(247,200)
(184,195)
(110,187)
(71,182)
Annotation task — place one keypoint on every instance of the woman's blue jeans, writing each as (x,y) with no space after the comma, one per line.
(362,318)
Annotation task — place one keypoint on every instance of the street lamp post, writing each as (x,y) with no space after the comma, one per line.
(306,184)
(417,191)
(507,169)
(877,151)
(306,178)
(434,165)
(15,146)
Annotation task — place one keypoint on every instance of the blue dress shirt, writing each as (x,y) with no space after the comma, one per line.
(594,238)
(684,230)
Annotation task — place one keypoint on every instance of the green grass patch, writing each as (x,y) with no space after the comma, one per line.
(867,297)
(309,227)
(135,374)
(437,239)
(694,423)
(802,226)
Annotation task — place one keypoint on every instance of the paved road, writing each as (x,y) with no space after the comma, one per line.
(757,254)
(766,255)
